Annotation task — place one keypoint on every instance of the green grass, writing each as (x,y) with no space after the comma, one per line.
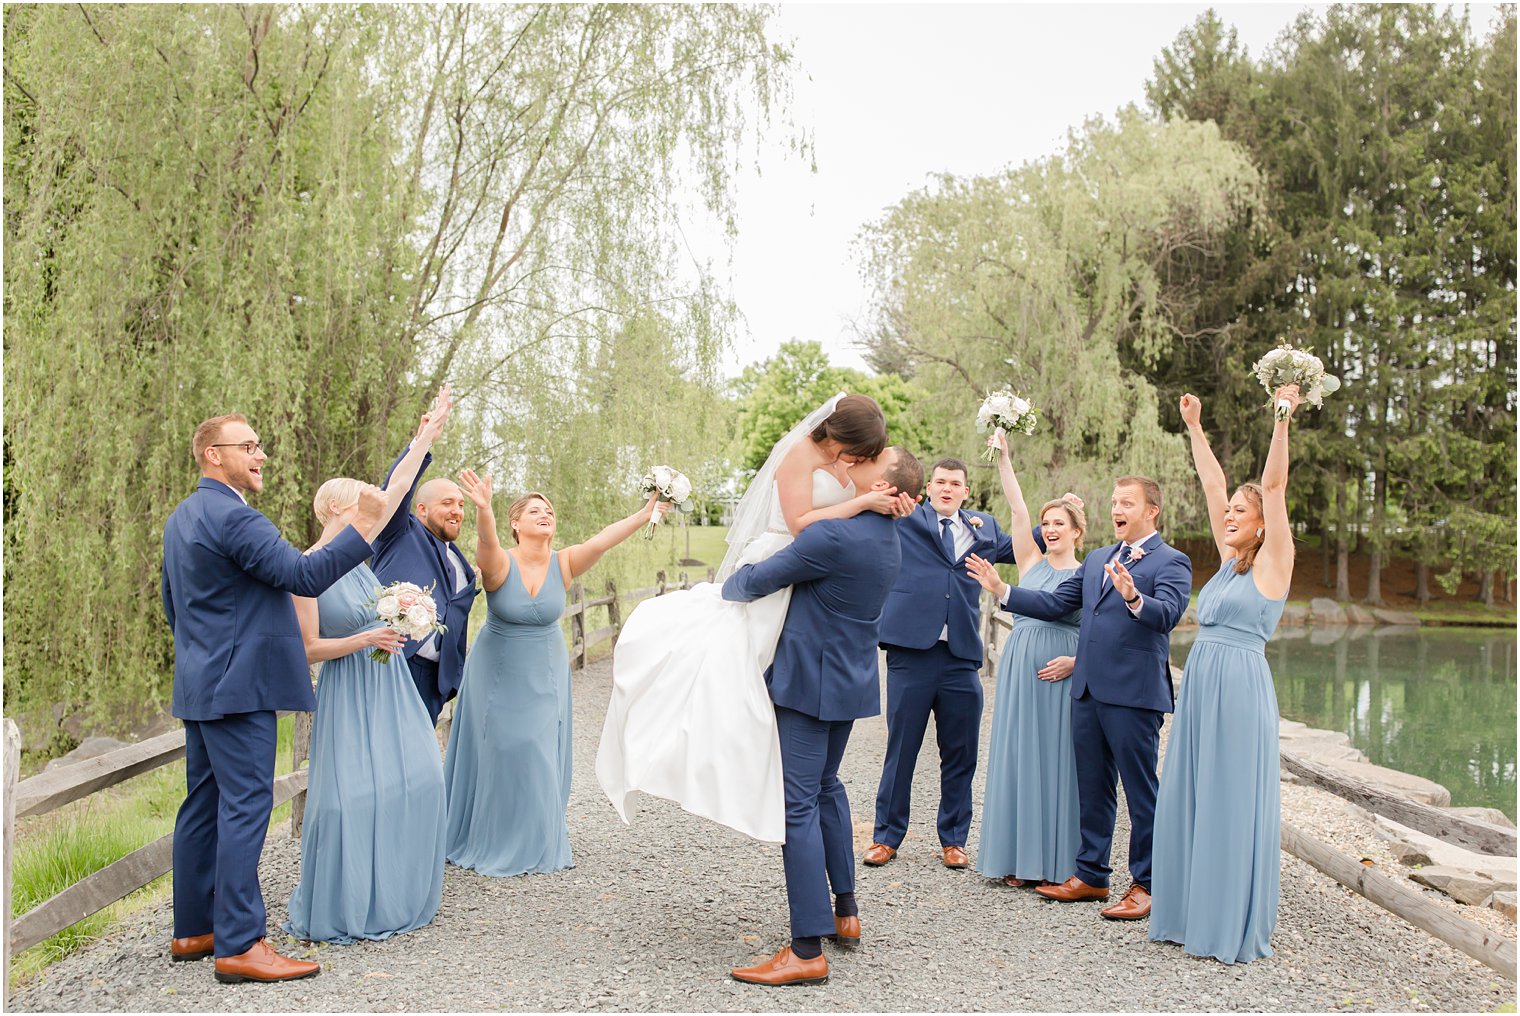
(56,850)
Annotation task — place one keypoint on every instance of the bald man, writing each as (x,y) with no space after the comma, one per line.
(419,547)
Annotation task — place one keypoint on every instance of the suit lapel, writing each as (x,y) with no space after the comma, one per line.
(976,536)
(1105,584)
(932,530)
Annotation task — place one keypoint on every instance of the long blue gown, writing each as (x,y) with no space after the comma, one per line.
(508,764)
(1216,867)
(372,839)
(1029,808)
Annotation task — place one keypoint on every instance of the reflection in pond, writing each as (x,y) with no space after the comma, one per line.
(1436,702)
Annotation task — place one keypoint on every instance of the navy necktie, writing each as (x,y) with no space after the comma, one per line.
(947,538)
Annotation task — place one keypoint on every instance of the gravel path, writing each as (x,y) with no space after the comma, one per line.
(653,916)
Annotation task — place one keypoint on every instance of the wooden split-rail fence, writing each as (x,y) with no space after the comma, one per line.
(52,789)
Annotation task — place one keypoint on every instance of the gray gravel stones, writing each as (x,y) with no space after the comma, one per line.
(654,914)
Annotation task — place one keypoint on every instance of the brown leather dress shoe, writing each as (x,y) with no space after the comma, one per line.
(846,931)
(196,947)
(1135,905)
(1071,890)
(784,968)
(955,857)
(878,854)
(262,963)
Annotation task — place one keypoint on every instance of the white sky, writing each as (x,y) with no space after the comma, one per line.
(893,94)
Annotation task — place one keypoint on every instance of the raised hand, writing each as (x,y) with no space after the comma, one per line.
(1288,394)
(1191,409)
(476,488)
(1058,669)
(655,509)
(1074,499)
(372,504)
(997,439)
(986,574)
(1124,582)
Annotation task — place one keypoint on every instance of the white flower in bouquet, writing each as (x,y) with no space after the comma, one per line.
(671,487)
(409,609)
(1288,366)
(1003,412)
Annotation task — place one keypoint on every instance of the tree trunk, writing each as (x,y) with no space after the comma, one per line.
(1342,568)
(1324,557)
(1422,582)
(1486,587)
(1375,566)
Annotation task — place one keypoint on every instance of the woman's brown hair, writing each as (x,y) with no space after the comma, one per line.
(857,424)
(1247,557)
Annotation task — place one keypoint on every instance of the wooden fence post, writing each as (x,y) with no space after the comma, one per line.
(659,583)
(12,764)
(300,751)
(685,581)
(614,612)
(712,575)
(577,629)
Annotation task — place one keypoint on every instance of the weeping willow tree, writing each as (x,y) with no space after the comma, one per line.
(312,215)
(1054,279)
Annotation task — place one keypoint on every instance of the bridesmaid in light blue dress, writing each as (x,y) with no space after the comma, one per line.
(1029,827)
(507,771)
(372,839)
(1214,885)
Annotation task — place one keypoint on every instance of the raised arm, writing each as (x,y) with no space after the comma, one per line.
(490,556)
(1026,552)
(319,648)
(1048,606)
(578,559)
(1216,489)
(401,484)
(256,545)
(794,489)
(1274,561)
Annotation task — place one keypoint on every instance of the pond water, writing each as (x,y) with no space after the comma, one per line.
(1436,702)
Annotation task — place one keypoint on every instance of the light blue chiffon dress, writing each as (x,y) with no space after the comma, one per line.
(1216,867)
(372,838)
(1029,808)
(508,765)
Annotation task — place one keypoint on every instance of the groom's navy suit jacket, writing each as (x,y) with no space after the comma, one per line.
(1121,657)
(840,571)
(407,551)
(227,580)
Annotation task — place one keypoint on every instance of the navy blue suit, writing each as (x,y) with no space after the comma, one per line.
(1121,689)
(934,591)
(228,577)
(407,551)
(824,678)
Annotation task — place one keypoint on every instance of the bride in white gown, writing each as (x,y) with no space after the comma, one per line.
(690,717)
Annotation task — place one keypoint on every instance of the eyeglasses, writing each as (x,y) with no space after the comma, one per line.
(249,447)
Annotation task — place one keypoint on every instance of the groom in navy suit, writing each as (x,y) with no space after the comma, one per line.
(1131,594)
(823,679)
(419,547)
(228,577)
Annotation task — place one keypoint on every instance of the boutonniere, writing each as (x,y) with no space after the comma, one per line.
(1135,554)
(973,522)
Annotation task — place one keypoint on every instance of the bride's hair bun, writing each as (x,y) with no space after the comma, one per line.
(857,424)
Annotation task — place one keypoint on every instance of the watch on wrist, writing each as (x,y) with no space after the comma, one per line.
(1136,600)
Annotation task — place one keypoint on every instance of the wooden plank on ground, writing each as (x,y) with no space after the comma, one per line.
(1484,837)
(56,787)
(12,766)
(116,880)
(1491,949)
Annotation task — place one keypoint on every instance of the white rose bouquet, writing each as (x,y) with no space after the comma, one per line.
(671,486)
(408,608)
(1288,366)
(1004,412)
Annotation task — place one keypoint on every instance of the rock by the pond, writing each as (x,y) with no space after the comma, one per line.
(1359,615)
(90,747)
(1324,610)
(1416,788)
(1464,885)
(1493,816)
(1504,902)
(1293,615)
(1326,746)
(1387,616)
(1413,847)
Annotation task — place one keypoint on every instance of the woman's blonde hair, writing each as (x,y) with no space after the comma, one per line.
(519,506)
(342,489)
(1078,516)
(1247,557)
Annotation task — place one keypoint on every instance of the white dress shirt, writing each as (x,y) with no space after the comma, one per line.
(961,533)
(429,649)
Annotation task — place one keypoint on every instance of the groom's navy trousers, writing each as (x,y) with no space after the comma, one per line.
(228,577)
(824,678)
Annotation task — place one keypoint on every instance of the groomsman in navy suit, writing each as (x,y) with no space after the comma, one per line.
(929,628)
(228,577)
(420,548)
(1131,595)
(824,678)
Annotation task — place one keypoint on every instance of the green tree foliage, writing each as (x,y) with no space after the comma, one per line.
(775,394)
(1057,279)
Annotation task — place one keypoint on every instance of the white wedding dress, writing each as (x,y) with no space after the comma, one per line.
(690,718)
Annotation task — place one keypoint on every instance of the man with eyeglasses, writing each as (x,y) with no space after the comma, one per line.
(238,658)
